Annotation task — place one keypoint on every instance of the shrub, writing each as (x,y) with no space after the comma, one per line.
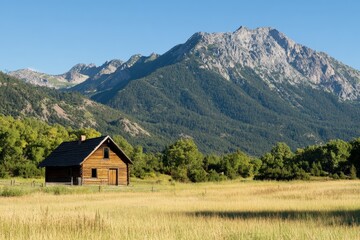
(353,172)
(57,190)
(213,176)
(335,176)
(343,176)
(180,174)
(12,192)
(197,175)
(3,172)
(27,170)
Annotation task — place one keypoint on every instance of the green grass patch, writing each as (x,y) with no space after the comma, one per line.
(13,192)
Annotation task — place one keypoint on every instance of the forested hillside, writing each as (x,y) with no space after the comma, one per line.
(222,116)
(246,89)
(19,99)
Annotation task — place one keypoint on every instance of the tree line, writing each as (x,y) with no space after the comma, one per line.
(184,162)
(24,143)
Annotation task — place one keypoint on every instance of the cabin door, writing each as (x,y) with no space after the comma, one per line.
(113,176)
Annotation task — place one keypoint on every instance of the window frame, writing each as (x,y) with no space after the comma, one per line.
(94,170)
(108,153)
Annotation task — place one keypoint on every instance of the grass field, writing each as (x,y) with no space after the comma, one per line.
(227,210)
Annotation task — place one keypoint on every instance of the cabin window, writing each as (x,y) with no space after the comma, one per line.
(106,153)
(94,173)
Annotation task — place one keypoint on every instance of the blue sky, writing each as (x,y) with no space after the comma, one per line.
(53,35)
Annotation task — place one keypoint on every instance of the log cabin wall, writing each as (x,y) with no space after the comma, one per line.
(105,168)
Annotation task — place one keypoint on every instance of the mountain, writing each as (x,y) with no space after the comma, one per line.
(268,52)
(245,89)
(40,79)
(118,77)
(77,74)
(276,58)
(19,99)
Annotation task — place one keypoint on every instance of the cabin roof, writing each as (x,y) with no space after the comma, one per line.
(74,153)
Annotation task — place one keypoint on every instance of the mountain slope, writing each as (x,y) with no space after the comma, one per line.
(41,79)
(137,66)
(183,100)
(269,53)
(77,74)
(20,99)
(248,89)
(275,58)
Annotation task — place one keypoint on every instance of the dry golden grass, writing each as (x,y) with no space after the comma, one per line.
(228,210)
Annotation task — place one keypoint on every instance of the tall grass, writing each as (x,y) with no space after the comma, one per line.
(227,210)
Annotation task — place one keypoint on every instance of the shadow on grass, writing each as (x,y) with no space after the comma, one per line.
(340,217)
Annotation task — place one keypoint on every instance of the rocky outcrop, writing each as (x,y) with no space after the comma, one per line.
(36,78)
(274,57)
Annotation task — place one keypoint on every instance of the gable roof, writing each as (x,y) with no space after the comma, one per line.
(76,152)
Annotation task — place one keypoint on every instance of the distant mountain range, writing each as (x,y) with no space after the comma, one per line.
(246,89)
(76,75)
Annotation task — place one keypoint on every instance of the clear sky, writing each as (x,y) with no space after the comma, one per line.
(53,35)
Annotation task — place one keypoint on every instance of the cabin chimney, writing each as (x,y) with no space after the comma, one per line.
(82,138)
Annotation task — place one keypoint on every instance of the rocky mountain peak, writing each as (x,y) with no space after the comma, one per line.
(153,56)
(274,57)
(110,67)
(79,73)
(31,76)
(133,59)
(82,68)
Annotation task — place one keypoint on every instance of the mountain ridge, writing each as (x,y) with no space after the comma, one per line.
(297,68)
(76,75)
(245,89)
(269,51)
(19,99)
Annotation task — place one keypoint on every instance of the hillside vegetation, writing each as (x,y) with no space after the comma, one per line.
(222,116)
(19,100)
(246,89)
(24,143)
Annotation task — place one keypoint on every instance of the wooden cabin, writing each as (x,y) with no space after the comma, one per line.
(94,161)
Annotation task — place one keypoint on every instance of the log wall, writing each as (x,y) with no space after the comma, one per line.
(96,160)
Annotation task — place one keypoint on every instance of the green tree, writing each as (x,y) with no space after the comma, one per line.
(139,164)
(212,162)
(354,158)
(183,161)
(335,155)
(237,164)
(353,172)
(277,164)
(24,143)
(309,159)
(88,132)
(123,144)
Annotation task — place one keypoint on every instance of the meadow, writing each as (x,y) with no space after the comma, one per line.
(163,210)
